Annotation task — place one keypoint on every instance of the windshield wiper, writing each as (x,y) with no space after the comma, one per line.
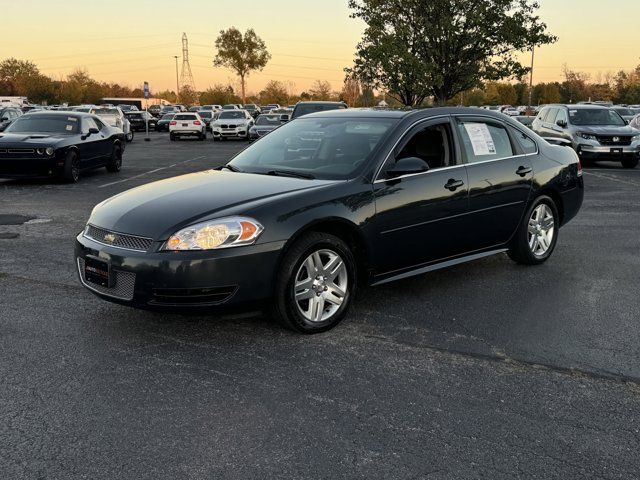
(231,168)
(290,173)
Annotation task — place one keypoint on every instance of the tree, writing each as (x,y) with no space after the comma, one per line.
(188,96)
(574,87)
(168,95)
(351,91)
(15,74)
(274,92)
(219,94)
(241,53)
(321,90)
(416,48)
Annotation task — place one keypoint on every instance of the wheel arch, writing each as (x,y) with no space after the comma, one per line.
(557,199)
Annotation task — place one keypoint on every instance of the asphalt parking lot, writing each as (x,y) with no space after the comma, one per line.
(486,370)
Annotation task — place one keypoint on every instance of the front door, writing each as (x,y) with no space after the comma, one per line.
(419,217)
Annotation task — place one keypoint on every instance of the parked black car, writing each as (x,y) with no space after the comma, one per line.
(207,117)
(330,200)
(138,121)
(265,123)
(8,115)
(253,109)
(305,108)
(59,144)
(154,110)
(162,125)
(594,132)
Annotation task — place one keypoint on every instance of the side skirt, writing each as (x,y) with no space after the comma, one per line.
(437,266)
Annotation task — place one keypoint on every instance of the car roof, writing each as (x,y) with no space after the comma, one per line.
(578,106)
(401,114)
(61,113)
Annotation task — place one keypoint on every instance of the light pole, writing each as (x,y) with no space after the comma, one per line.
(177,83)
(533,48)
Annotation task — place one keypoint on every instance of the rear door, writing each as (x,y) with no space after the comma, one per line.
(500,174)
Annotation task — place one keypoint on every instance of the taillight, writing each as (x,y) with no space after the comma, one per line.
(197,122)
(579,168)
(173,122)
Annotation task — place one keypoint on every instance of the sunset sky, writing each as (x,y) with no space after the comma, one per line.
(129,42)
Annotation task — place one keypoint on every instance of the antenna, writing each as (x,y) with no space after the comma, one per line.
(186,77)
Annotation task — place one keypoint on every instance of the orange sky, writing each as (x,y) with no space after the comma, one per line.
(129,42)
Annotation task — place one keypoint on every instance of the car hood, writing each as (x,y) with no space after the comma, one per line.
(265,127)
(26,139)
(157,210)
(605,129)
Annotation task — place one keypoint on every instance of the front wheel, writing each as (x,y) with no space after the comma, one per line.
(537,234)
(71,173)
(630,162)
(316,283)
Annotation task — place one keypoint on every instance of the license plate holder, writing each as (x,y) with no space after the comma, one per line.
(185,124)
(616,151)
(97,271)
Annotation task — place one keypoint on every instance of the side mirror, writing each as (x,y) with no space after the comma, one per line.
(4,119)
(284,118)
(562,123)
(407,166)
(93,131)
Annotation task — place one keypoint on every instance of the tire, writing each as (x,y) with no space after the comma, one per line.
(71,172)
(129,136)
(115,162)
(326,301)
(216,139)
(630,162)
(536,238)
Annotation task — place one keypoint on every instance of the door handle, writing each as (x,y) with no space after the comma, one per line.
(453,184)
(522,171)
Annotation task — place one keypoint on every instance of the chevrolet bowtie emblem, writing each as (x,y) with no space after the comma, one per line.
(109,238)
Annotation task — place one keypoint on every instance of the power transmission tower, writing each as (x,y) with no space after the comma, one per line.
(186,77)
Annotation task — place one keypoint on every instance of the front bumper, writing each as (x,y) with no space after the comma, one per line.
(240,132)
(179,280)
(608,152)
(30,167)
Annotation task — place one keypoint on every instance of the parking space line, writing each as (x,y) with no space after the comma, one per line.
(150,171)
(613,179)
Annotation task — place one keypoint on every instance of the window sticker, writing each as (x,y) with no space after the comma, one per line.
(69,128)
(480,138)
(72,119)
(573,112)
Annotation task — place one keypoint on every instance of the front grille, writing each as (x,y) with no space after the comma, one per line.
(619,140)
(123,286)
(192,296)
(120,240)
(21,150)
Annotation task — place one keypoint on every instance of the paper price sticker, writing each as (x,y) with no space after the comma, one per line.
(480,138)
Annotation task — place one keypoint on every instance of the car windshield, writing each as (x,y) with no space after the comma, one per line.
(268,120)
(623,111)
(105,111)
(205,113)
(45,124)
(134,115)
(229,107)
(231,114)
(325,148)
(250,107)
(168,116)
(595,116)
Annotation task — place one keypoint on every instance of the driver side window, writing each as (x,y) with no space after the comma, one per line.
(433,145)
(87,124)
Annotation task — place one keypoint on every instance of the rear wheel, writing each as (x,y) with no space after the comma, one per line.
(115,162)
(71,171)
(129,136)
(316,283)
(630,162)
(537,234)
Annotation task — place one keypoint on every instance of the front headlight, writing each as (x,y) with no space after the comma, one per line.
(49,151)
(587,136)
(220,233)
(635,138)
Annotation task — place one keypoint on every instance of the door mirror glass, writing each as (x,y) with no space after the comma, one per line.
(4,119)
(93,131)
(407,166)
(561,123)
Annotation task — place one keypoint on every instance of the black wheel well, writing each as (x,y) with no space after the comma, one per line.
(345,231)
(557,199)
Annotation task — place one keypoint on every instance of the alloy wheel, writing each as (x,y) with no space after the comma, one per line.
(541,229)
(320,285)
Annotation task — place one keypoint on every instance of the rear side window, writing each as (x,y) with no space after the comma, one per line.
(483,141)
(527,144)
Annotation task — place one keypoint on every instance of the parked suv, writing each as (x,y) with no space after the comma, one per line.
(232,124)
(594,132)
(187,124)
